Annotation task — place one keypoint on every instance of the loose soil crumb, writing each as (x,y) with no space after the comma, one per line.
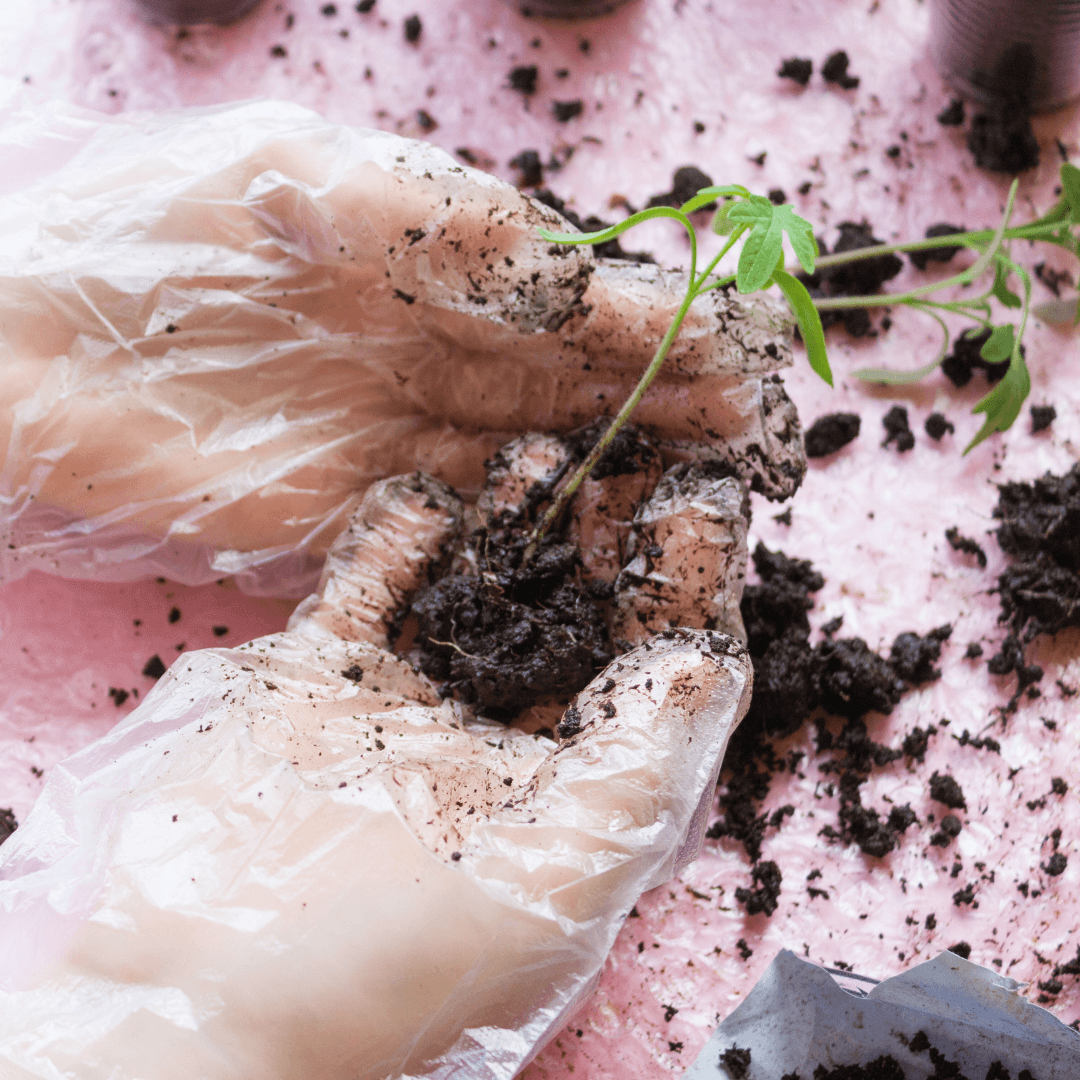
(898,429)
(862,278)
(835,70)
(531,168)
(827,434)
(797,69)
(945,789)
(523,78)
(885,1067)
(413,28)
(952,115)
(764,896)
(1040,591)
(921,259)
(736,1061)
(1001,139)
(964,359)
(792,679)
(1042,416)
(8,824)
(154,668)
(564,111)
(937,426)
(967,546)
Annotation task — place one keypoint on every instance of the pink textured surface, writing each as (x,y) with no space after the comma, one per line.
(871,520)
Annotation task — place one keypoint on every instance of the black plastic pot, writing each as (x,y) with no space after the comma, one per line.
(1025,51)
(568,9)
(190,12)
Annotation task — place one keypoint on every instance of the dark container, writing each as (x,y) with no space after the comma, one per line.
(190,12)
(1023,51)
(568,9)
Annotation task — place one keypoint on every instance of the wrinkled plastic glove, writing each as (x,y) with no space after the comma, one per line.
(220,324)
(295,862)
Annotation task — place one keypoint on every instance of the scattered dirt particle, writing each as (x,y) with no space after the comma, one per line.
(937,426)
(219,631)
(763,897)
(835,70)
(952,115)
(523,78)
(796,68)
(8,824)
(898,429)
(118,696)
(530,166)
(686,182)
(1042,416)
(154,668)
(736,1062)
(564,111)
(413,28)
(921,259)
(829,433)
(945,789)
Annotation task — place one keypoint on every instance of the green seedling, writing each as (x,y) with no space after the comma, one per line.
(763,227)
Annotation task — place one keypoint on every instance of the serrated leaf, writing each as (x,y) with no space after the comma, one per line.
(1001,288)
(1002,405)
(1070,190)
(765,244)
(999,345)
(809,322)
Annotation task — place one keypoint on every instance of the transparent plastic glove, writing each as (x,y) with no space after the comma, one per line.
(295,862)
(221,324)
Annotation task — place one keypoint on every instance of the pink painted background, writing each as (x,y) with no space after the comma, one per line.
(870,519)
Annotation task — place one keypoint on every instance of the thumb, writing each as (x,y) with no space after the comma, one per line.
(401,531)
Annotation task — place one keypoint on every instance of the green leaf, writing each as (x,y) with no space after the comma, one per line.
(809,322)
(1001,288)
(765,244)
(1070,190)
(999,345)
(1002,405)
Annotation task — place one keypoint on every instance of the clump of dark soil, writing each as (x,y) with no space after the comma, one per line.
(564,111)
(797,69)
(610,249)
(531,169)
(861,278)
(898,429)
(1042,416)
(736,1060)
(827,434)
(685,184)
(154,668)
(966,545)
(1001,139)
(523,78)
(519,630)
(945,789)
(964,360)
(793,679)
(763,897)
(921,259)
(1040,591)
(885,1067)
(952,115)
(835,71)
(8,824)
(413,28)
(937,426)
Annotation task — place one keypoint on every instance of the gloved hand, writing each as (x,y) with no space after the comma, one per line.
(295,862)
(221,324)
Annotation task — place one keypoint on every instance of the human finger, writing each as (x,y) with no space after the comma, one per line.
(399,534)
